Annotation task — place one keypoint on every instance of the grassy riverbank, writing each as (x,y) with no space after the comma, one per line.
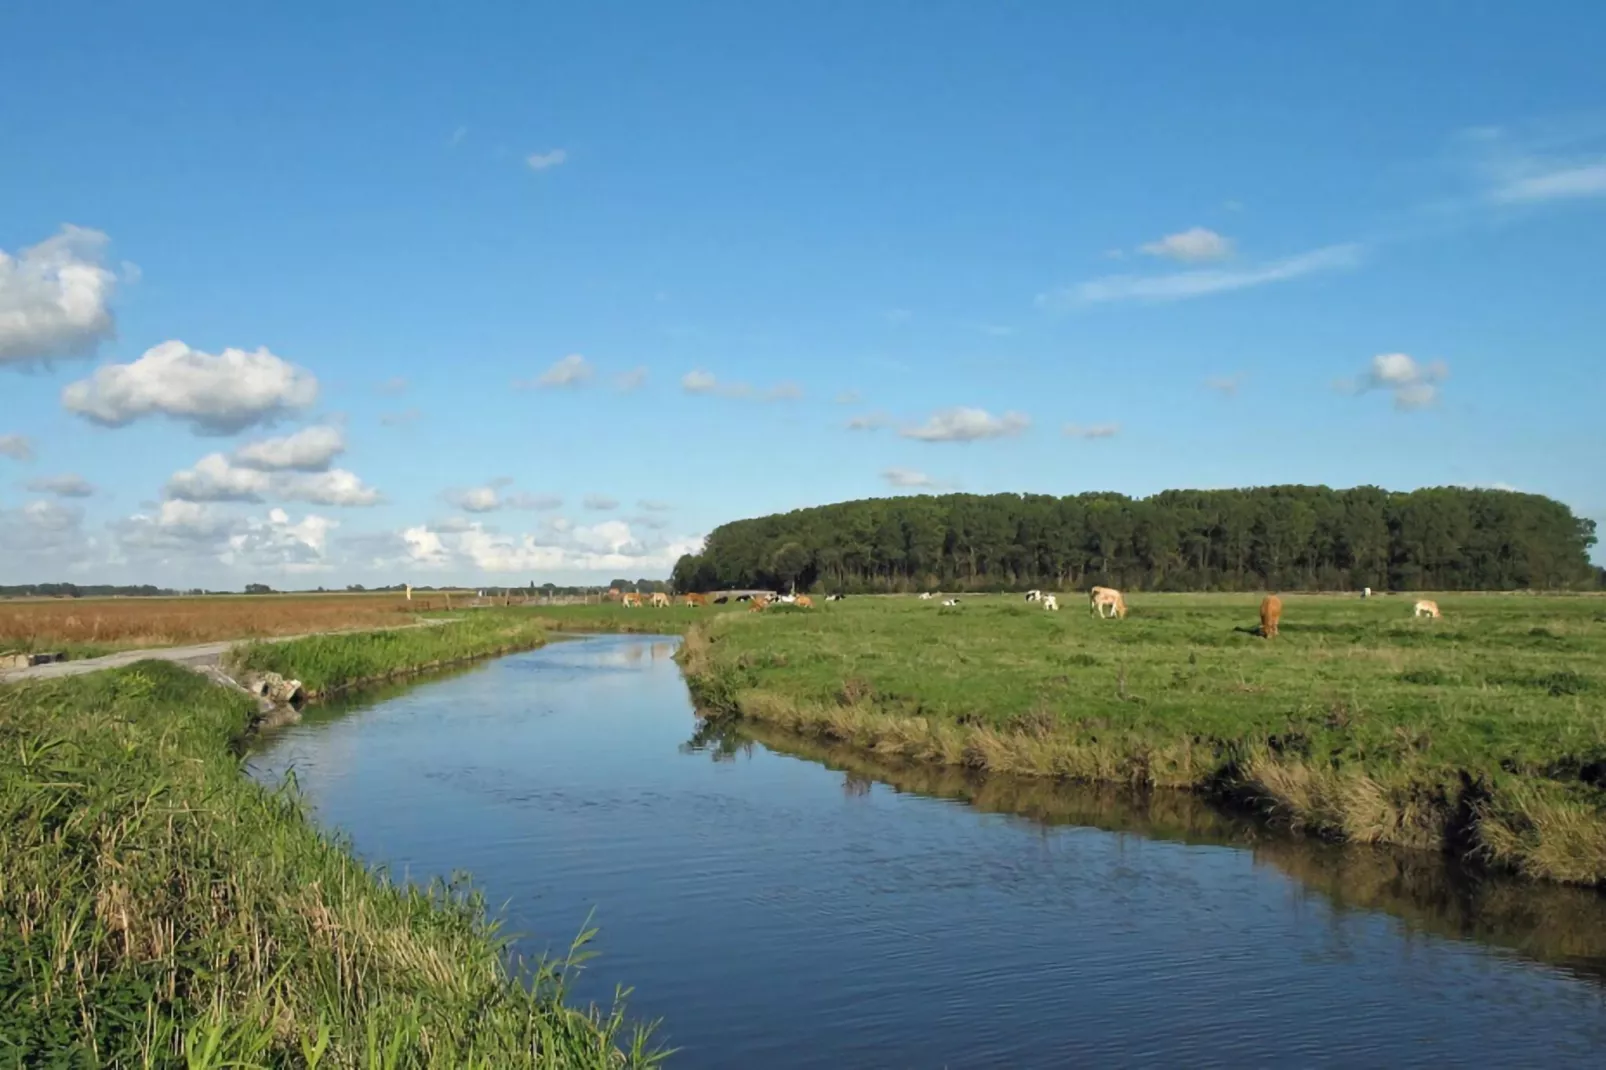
(329,663)
(1483,733)
(158,908)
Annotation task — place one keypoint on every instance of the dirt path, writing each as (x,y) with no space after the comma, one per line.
(196,656)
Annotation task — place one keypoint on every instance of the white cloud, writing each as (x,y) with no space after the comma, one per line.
(311,449)
(185,535)
(600,503)
(55,298)
(1092,430)
(218,395)
(475,499)
(214,478)
(543,161)
(653,506)
(557,547)
(534,502)
(625,382)
(698,381)
(1194,245)
(42,538)
(334,487)
(1185,284)
(217,478)
(1414,385)
(17,447)
(967,425)
(572,370)
(1225,384)
(783,392)
(67,485)
(279,544)
(869,421)
(847,397)
(394,386)
(1539,165)
(907,477)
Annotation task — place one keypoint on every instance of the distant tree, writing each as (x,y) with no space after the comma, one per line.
(258,588)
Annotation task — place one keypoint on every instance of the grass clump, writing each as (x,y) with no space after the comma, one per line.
(1357,722)
(158,908)
(329,663)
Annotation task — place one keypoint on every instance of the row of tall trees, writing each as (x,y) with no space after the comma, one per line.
(1283,538)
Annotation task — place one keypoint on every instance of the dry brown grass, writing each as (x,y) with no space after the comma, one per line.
(114,623)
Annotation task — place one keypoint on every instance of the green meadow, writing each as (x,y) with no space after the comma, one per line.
(1483,733)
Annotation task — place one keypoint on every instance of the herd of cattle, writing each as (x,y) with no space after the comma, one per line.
(1106,602)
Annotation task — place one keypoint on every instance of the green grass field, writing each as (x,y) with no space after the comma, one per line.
(1483,732)
(159,908)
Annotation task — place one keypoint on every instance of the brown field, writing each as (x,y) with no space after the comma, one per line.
(84,626)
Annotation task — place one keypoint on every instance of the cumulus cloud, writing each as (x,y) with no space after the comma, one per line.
(218,478)
(967,425)
(1413,384)
(279,544)
(1092,430)
(1226,385)
(556,547)
(572,370)
(545,161)
(475,499)
(600,503)
(1191,246)
(43,536)
(534,502)
(625,382)
(869,421)
(185,533)
(311,449)
(17,447)
(907,477)
(216,395)
(1199,283)
(67,485)
(55,298)
(698,381)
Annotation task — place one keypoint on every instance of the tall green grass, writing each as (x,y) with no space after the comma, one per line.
(157,908)
(327,663)
(1483,733)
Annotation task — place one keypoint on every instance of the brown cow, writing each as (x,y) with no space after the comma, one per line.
(660,600)
(804,602)
(758,604)
(695,600)
(1099,597)
(1271,611)
(631,600)
(1426,607)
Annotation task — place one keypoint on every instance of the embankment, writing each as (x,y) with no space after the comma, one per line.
(158,908)
(1309,769)
(326,664)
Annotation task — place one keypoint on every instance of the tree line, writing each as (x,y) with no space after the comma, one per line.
(1278,538)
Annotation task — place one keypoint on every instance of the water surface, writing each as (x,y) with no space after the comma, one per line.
(780,905)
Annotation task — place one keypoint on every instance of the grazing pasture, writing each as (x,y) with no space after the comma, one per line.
(1483,731)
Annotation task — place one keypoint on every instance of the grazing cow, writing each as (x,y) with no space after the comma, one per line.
(695,600)
(1101,597)
(835,597)
(744,598)
(1426,608)
(804,602)
(631,600)
(660,600)
(1366,592)
(1034,596)
(925,596)
(1051,603)
(951,602)
(787,599)
(1271,611)
(758,604)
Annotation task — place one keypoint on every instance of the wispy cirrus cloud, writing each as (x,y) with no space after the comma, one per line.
(869,421)
(572,370)
(967,425)
(67,485)
(906,478)
(1181,285)
(1091,431)
(633,379)
(700,381)
(1538,166)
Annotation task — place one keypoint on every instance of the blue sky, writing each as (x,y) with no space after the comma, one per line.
(1022,247)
